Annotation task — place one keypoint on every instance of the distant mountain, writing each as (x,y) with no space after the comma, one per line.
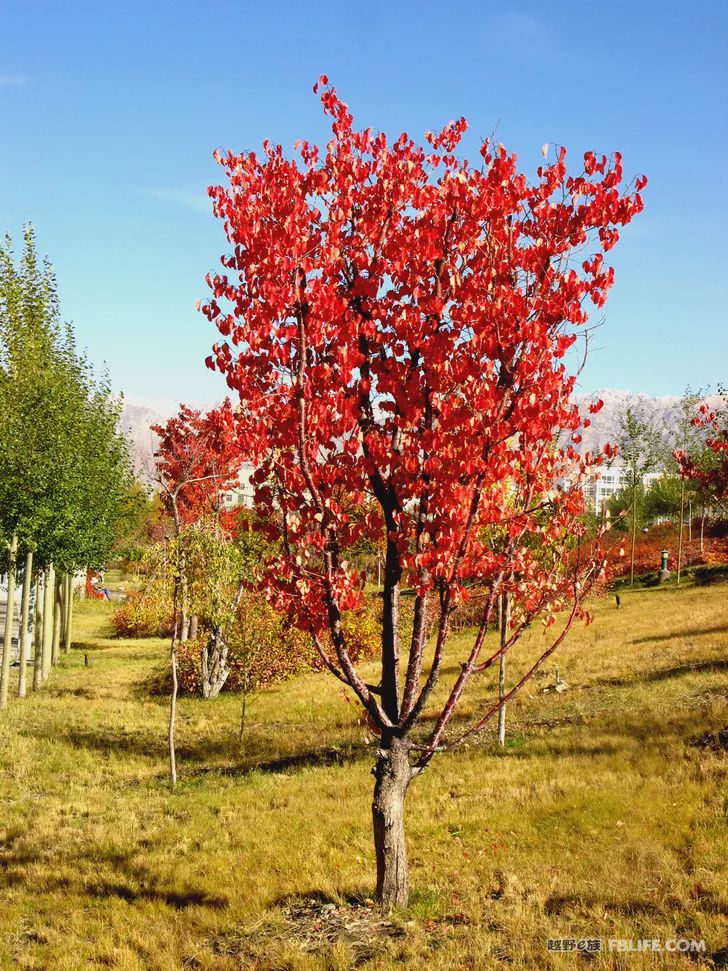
(135,423)
(137,418)
(663,412)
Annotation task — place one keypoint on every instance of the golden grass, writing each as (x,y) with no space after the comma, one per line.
(600,819)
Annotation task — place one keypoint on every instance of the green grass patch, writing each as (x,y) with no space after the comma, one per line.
(605,815)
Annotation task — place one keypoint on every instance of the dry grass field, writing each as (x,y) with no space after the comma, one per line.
(605,817)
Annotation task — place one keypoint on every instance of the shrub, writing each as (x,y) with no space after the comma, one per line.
(142,615)
(264,649)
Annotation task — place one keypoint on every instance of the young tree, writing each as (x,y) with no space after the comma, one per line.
(219,571)
(197,460)
(639,448)
(399,322)
(708,468)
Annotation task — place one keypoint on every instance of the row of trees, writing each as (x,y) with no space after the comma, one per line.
(64,468)
(687,465)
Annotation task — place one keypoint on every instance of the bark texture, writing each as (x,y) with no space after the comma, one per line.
(23,629)
(393,775)
(68,623)
(38,632)
(57,620)
(9,617)
(48,598)
(214,664)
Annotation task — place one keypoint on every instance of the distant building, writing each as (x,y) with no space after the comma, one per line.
(605,483)
(242,493)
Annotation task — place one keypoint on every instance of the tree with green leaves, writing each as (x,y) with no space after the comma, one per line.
(639,447)
(64,466)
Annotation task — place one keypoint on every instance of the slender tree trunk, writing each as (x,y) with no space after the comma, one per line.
(9,616)
(505,619)
(243,706)
(38,632)
(57,611)
(173,702)
(634,534)
(393,775)
(682,527)
(194,621)
(48,597)
(68,625)
(702,527)
(23,630)
(179,633)
(63,590)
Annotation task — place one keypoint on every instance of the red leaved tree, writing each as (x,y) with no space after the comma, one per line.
(710,469)
(398,325)
(197,461)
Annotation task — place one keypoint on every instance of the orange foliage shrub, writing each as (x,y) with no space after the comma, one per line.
(264,649)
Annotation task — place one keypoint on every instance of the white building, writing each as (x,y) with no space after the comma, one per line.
(242,494)
(604,483)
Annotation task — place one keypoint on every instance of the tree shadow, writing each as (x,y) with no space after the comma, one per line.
(656,638)
(109,741)
(557,904)
(663,674)
(295,762)
(198,754)
(133,883)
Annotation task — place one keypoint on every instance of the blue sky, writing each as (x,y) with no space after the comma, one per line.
(110,112)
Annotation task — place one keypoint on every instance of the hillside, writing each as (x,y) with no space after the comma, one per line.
(135,423)
(137,417)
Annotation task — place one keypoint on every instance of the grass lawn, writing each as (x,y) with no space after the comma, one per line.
(602,818)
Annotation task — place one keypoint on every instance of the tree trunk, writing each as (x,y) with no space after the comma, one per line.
(57,611)
(505,619)
(634,533)
(243,708)
(68,626)
(393,775)
(9,616)
(23,629)
(194,621)
(702,527)
(63,591)
(178,633)
(38,632)
(173,706)
(214,664)
(682,526)
(48,596)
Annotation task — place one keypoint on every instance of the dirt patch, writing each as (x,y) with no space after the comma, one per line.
(315,923)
